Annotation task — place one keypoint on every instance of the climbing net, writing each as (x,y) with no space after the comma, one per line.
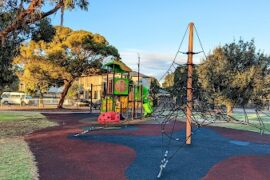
(169,111)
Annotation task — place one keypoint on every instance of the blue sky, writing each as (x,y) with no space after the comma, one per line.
(154,28)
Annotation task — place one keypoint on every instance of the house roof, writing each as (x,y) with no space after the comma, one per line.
(135,74)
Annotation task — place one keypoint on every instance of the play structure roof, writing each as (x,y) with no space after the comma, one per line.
(118,66)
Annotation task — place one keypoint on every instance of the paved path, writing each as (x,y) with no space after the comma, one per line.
(134,152)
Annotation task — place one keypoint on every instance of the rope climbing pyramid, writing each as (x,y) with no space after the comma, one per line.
(190,104)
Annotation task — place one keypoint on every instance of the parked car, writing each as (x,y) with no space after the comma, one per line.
(82,103)
(87,103)
(96,105)
(15,98)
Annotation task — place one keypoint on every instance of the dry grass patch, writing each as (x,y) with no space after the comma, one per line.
(16,159)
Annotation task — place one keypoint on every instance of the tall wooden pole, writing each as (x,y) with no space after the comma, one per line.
(138,85)
(107,89)
(189,84)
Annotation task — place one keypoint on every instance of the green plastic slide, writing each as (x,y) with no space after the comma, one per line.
(148,110)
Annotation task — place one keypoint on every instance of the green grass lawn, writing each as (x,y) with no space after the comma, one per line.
(22,123)
(8,116)
(252,117)
(253,124)
(247,127)
(16,159)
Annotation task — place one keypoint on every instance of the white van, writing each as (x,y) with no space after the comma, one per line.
(15,98)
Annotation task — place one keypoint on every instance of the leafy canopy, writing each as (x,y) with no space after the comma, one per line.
(68,56)
(234,74)
(9,47)
(21,19)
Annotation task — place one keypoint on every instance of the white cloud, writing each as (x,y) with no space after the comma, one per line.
(152,63)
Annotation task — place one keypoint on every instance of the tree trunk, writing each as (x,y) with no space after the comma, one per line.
(41,102)
(229,108)
(62,16)
(67,85)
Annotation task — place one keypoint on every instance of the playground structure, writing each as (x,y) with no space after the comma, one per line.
(123,96)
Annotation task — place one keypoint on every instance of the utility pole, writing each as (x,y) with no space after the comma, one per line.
(189,84)
(138,85)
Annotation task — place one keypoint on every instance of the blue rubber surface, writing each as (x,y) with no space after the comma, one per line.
(190,162)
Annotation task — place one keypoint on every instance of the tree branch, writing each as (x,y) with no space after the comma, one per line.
(20,19)
(43,15)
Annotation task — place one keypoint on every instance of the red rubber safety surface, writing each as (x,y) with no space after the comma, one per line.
(61,158)
(241,168)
